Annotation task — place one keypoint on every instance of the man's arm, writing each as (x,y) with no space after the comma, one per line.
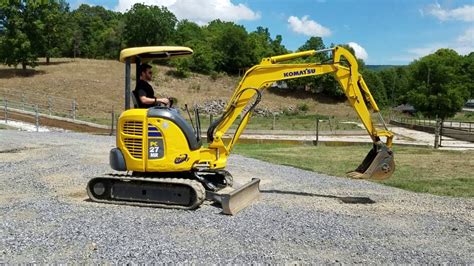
(147,100)
(155,100)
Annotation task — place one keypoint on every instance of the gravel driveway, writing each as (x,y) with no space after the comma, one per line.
(45,215)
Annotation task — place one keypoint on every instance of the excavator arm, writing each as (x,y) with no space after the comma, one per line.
(378,164)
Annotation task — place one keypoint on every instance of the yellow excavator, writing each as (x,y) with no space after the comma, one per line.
(161,161)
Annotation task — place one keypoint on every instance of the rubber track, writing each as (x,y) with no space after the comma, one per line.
(195,185)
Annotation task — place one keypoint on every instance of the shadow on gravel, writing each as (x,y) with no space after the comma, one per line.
(350,200)
(16,150)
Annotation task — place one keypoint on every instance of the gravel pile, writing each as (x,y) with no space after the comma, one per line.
(45,216)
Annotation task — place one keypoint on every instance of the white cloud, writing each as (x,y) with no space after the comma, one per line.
(359,51)
(307,27)
(467,37)
(425,50)
(465,13)
(463,45)
(199,11)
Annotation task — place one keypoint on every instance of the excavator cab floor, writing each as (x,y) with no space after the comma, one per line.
(379,164)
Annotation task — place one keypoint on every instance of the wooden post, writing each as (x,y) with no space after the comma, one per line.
(436,141)
(5,101)
(23,101)
(36,118)
(74,109)
(127,80)
(317,131)
(49,105)
(113,121)
(441,125)
(116,120)
(273,123)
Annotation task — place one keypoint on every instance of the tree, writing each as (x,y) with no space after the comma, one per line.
(52,37)
(95,32)
(20,30)
(261,43)
(313,43)
(202,59)
(277,47)
(149,25)
(325,84)
(438,87)
(395,82)
(187,32)
(230,45)
(376,86)
(468,72)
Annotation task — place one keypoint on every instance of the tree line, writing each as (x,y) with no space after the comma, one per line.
(437,84)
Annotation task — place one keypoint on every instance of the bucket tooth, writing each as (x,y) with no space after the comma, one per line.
(237,199)
(379,164)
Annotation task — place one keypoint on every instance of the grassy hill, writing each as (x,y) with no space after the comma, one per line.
(98,87)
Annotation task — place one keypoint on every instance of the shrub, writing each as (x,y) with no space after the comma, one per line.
(290,111)
(214,75)
(303,107)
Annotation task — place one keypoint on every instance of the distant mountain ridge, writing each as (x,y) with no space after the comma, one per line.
(381,67)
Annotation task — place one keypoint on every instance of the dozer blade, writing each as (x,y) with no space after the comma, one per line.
(378,164)
(237,199)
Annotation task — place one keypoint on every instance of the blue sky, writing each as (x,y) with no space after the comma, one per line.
(391,32)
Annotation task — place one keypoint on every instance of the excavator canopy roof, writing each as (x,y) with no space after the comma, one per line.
(148,53)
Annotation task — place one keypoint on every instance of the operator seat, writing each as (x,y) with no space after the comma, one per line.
(134,99)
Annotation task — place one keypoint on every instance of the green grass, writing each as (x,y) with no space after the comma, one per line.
(286,122)
(463,117)
(448,173)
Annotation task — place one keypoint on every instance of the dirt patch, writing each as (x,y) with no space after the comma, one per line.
(62,187)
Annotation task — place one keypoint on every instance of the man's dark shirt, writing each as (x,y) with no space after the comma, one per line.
(143,89)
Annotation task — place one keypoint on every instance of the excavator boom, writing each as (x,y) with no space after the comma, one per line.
(379,162)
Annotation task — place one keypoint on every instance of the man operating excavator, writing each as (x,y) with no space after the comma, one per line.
(143,92)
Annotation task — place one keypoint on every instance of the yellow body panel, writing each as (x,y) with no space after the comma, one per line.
(178,157)
(165,138)
(126,131)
